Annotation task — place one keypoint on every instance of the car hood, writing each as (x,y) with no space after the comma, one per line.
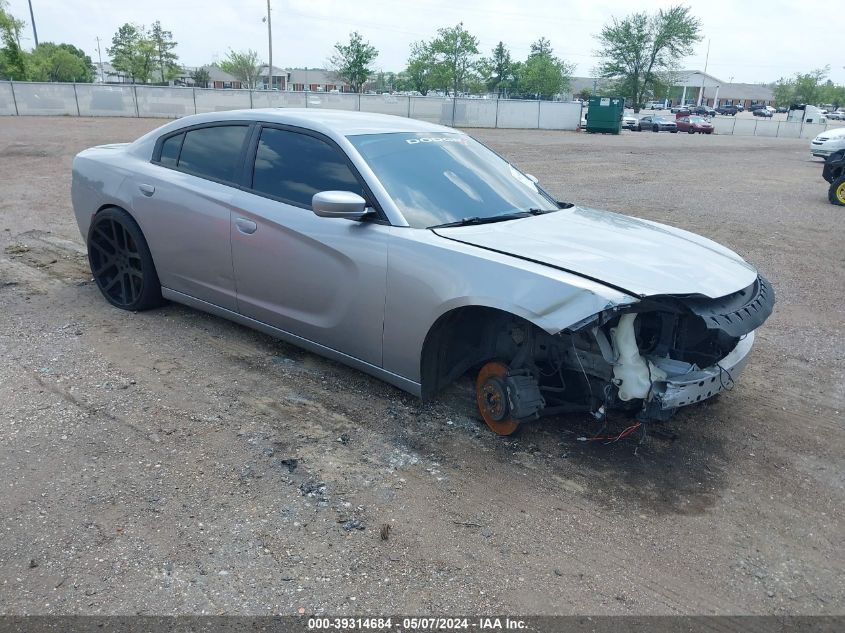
(835,133)
(640,257)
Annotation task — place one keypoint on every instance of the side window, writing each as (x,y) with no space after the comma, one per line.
(214,152)
(170,150)
(294,166)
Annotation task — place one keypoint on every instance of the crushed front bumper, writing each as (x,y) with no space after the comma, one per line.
(680,390)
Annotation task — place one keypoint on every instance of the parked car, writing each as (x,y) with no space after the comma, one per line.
(828,142)
(727,110)
(835,116)
(682,112)
(629,121)
(282,220)
(693,124)
(657,124)
(739,107)
(703,111)
(834,173)
(655,105)
(763,113)
(782,110)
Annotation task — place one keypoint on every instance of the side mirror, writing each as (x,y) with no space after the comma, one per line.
(533,179)
(339,204)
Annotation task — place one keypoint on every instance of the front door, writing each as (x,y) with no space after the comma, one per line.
(323,279)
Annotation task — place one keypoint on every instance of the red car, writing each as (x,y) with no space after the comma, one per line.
(693,124)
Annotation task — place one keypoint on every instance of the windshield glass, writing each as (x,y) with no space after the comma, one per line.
(446,177)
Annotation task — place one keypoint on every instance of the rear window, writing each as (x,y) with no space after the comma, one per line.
(170,150)
(214,152)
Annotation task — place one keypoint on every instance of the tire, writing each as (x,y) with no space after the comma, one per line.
(709,132)
(656,128)
(836,193)
(121,262)
(691,131)
(639,128)
(674,131)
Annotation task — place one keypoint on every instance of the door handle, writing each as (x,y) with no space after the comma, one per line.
(246,226)
(147,190)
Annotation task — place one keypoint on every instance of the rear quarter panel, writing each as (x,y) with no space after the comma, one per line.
(97,176)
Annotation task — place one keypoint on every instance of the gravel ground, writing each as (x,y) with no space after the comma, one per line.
(172,462)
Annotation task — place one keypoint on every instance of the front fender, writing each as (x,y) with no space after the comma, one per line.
(429,276)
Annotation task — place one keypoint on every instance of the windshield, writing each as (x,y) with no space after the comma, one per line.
(446,177)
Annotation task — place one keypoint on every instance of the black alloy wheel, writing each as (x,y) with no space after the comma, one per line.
(121,262)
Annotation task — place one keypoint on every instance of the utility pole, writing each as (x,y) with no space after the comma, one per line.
(270,47)
(100,55)
(32,18)
(704,74)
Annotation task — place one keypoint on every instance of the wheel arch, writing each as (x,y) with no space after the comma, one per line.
(460,338)
(128,211)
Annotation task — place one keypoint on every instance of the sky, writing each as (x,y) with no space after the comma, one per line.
(750,41)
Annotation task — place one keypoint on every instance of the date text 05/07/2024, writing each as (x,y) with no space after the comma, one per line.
(416,624)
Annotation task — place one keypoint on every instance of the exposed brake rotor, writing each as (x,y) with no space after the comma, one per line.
(491,396)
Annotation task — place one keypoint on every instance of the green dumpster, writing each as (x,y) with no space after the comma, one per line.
(605,115)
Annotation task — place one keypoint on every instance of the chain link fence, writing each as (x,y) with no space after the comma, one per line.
(57,99)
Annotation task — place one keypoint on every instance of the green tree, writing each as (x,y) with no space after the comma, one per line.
(543,74)
(807,88)
(518,72)
(385,81)
(637,49)
(59,62)
(833,94)
(165,58)
(352,62)
(455,51)
(421,68)
(243,65)
(475,84)
(201,77)
(541,47)
(12,58)
(133,53)
(498,70)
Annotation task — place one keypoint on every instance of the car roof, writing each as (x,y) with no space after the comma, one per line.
(326,120)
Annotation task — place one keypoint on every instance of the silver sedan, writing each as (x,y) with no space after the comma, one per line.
(414,253)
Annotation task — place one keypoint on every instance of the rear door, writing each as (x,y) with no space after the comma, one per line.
(323,279)
(183,203)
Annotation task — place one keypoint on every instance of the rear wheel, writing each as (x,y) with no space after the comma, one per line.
(836,194)
(691,131)
(492,398)
(121,262)
(656,128)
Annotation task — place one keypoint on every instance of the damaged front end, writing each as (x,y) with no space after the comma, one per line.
(648,358)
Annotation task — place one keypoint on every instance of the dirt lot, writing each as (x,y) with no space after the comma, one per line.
(171,462)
